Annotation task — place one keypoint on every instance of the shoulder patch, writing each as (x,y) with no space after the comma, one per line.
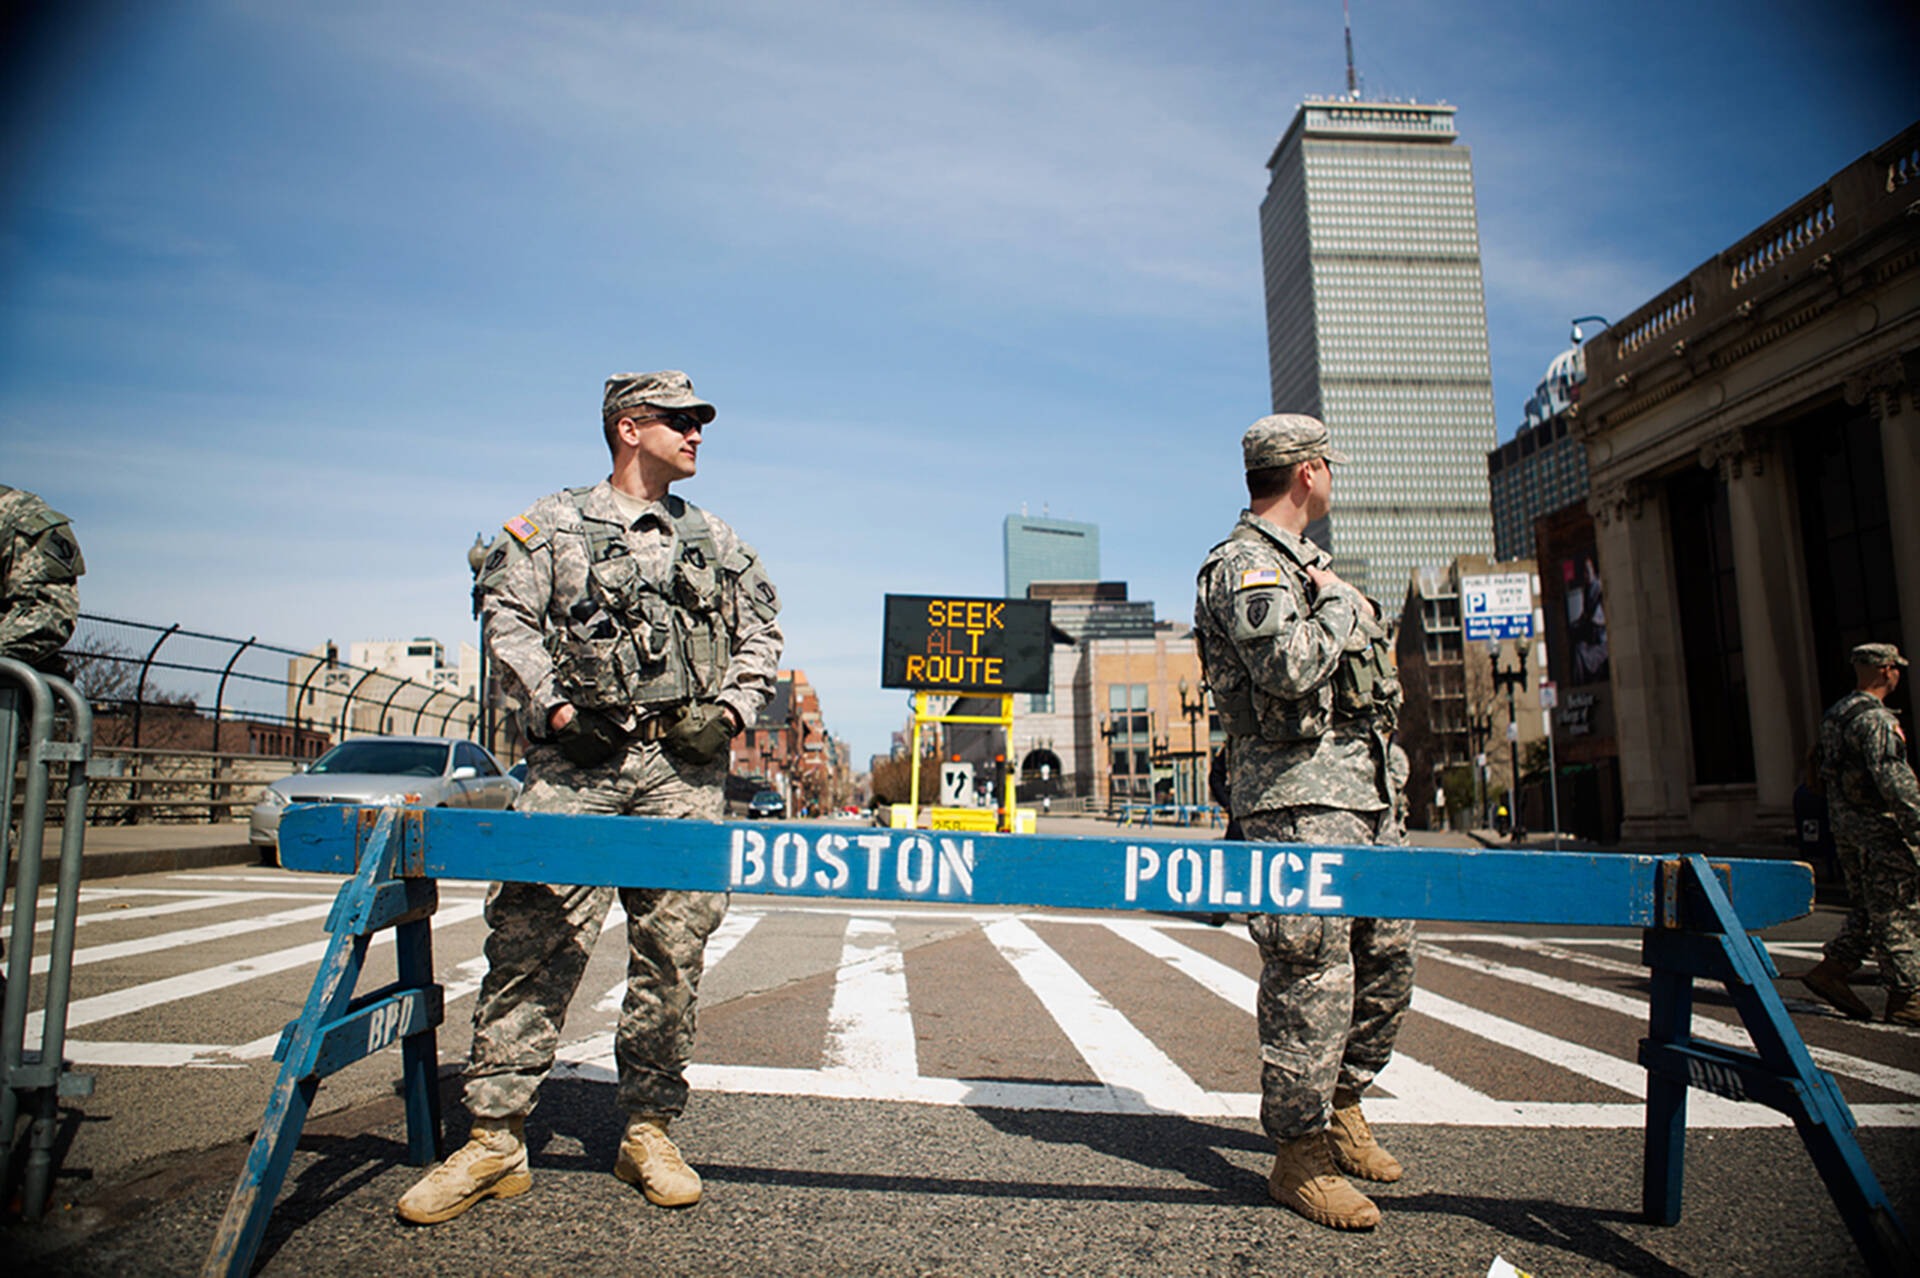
(523,529)
(1255,577)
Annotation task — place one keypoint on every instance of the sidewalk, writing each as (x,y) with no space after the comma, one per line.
(112,851)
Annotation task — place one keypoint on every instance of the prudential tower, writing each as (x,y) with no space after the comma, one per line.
(1376,323)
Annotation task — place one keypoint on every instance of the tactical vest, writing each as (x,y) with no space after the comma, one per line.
(1835,766)
(1364,688)
(669,639)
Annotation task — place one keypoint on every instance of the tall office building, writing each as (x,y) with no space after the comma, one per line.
(1049,550)
(1376,324)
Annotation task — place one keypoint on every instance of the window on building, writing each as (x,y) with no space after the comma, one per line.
(1710,639)
(1847,538)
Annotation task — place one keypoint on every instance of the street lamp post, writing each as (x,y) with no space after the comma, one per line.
(1191,710)
(1511,680)
(1479,729)
(476,560)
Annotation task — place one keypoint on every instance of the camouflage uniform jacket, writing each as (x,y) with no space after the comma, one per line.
(568,630)
(1864,768)
(39,564)
(1273,643)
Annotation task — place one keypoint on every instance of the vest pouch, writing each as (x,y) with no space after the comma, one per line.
(1305,719)
(587,669)
(616,582)
(697,589)
(653,629)
(1237,714)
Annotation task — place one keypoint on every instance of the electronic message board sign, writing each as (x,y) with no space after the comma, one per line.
(939,643)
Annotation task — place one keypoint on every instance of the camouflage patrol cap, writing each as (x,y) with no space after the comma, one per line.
(669,389)
(1286,438)
(1878,654)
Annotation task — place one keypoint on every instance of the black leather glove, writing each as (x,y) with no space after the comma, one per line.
(590,738)
(702,734)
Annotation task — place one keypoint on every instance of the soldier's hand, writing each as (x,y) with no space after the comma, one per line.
(702,734)
(1324,577)
(561,716)
(588,739)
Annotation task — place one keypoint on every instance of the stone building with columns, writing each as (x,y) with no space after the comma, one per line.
(1753,438)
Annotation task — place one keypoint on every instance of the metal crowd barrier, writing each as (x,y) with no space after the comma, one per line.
(32,1080)
(1694,915)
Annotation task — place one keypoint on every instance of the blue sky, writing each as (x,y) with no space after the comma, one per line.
(295,298)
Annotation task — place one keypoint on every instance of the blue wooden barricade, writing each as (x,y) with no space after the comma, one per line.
(1694,912)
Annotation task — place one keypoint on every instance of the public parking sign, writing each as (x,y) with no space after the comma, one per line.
(1499,606)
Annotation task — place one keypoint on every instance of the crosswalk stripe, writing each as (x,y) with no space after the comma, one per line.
(171,989)
(869,1025)
(1704,1027)
(1434,1089)
(190,936)
(1635,971)
(207,901)
(1235,987)
(1117,1052)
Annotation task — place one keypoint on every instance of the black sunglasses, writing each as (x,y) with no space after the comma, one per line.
(684,422)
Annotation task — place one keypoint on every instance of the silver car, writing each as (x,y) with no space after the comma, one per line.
(414,772)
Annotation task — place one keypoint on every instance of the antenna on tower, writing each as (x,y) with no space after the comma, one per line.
(1346,16)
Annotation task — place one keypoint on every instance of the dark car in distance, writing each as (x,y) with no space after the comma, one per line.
(767,803)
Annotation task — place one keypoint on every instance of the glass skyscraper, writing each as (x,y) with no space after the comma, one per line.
(1048,550)
(1376,324)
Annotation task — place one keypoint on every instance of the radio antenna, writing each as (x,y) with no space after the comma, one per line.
(1346,16)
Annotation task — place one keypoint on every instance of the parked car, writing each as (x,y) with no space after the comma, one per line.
(414,772)
(767,803)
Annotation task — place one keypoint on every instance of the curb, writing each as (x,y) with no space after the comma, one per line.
(114,865)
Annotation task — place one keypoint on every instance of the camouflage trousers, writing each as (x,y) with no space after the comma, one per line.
(1883,886)
(542,936)
(1333,991)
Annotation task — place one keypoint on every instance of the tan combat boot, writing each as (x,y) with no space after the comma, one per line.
(1354,1148)
(1828,979)
(1305,1179)
(1902,1008)
(492,1164)
(652,1161)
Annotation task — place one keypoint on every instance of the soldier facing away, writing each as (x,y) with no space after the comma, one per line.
(639,633)
(40,566)
(1873,804)
(1297,662)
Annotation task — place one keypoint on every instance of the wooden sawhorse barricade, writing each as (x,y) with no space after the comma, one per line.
(1694,915)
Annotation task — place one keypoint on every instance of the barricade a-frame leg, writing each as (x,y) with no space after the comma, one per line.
(336,1029)
(1708,942)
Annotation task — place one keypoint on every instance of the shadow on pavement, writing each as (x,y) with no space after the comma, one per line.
(1580,1231)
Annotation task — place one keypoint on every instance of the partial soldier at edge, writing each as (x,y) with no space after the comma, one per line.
(1297,663)
(40,568)
(639,634)
(1873,805)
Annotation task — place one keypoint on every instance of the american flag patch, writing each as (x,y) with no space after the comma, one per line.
(1259,577)
(522,528)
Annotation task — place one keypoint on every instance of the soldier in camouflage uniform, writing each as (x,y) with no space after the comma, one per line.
(40,565)
(1296,659)
(638,633)
(1874,806)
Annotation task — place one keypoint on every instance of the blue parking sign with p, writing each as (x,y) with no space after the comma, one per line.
(1497,606)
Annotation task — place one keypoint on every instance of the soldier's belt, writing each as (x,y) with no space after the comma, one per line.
(656,726)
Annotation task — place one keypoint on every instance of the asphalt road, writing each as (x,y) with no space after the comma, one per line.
(912,1090)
